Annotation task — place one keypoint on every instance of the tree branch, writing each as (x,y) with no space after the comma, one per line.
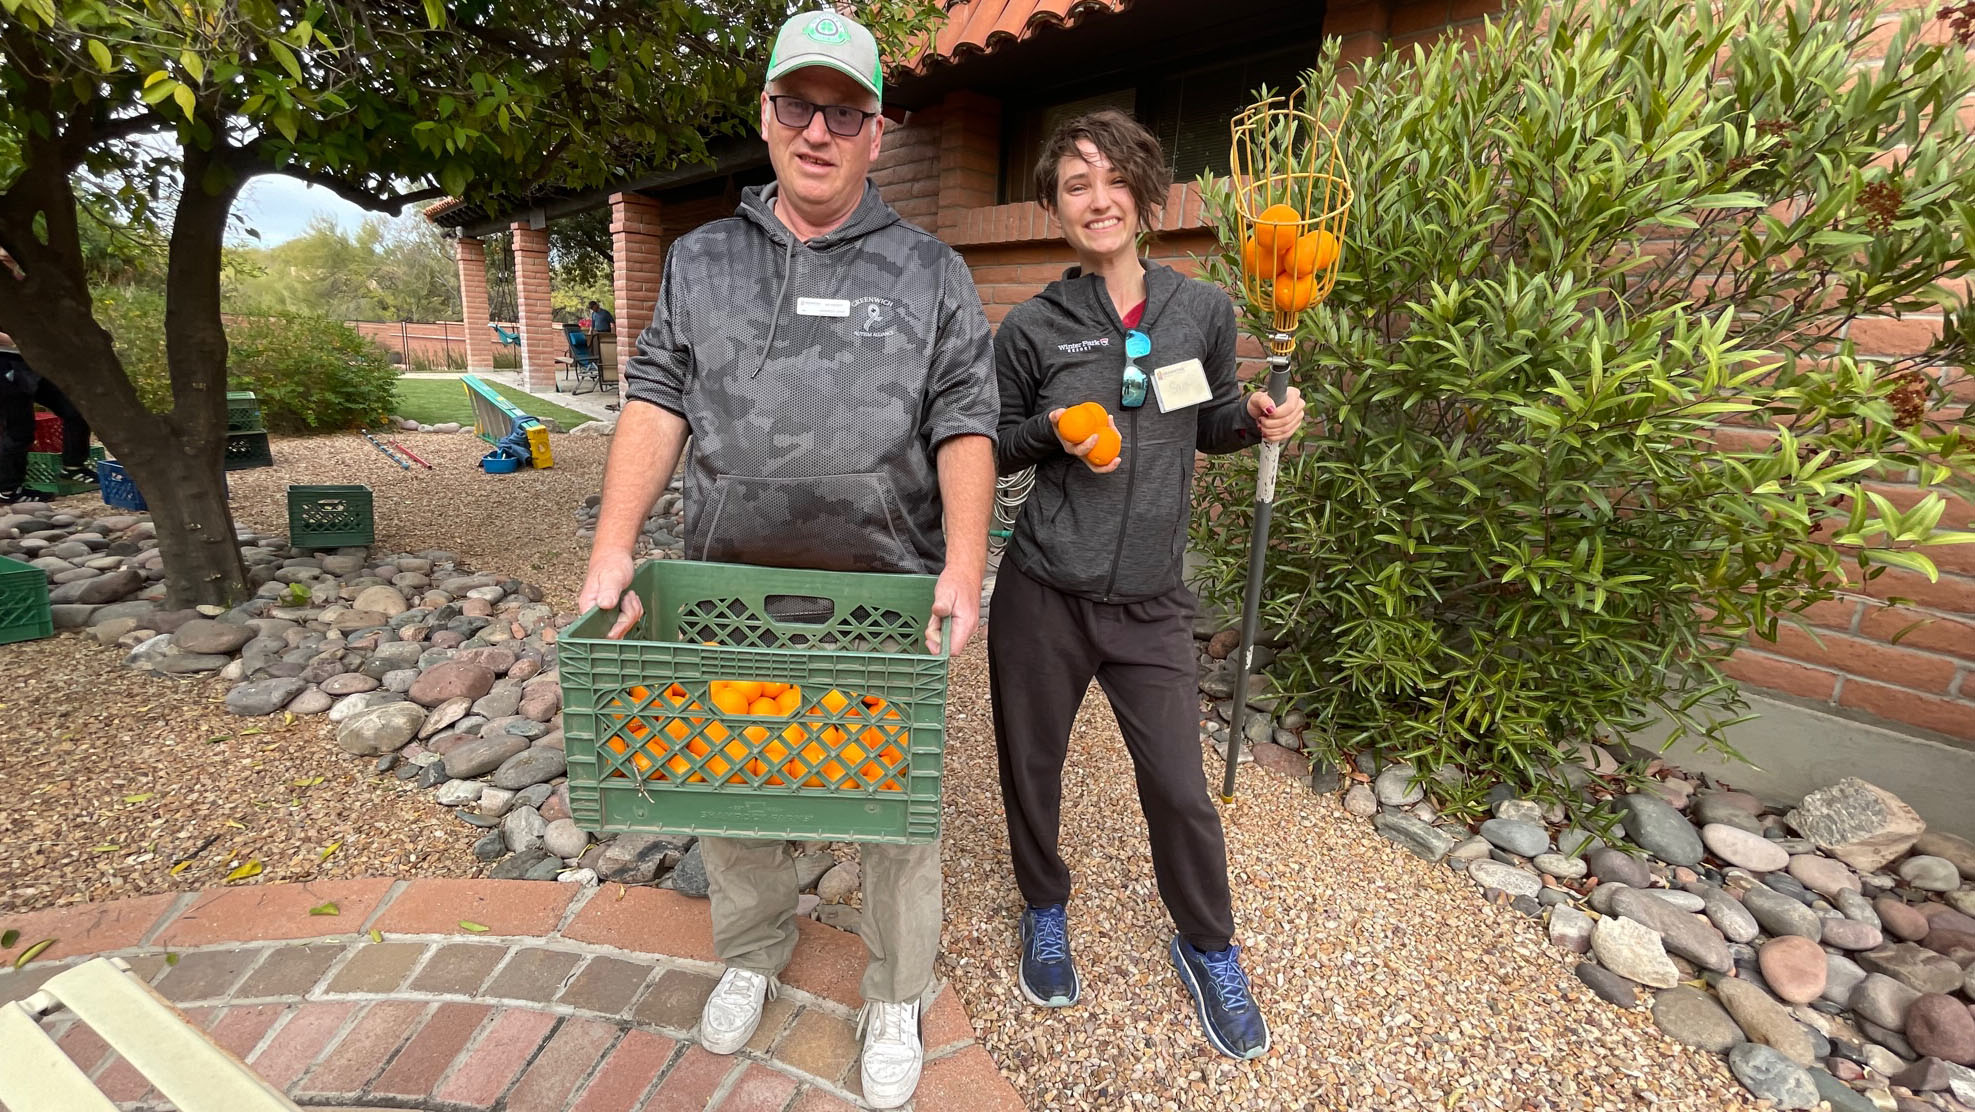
(250,164)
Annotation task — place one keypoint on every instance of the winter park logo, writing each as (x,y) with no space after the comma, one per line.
(1082,346)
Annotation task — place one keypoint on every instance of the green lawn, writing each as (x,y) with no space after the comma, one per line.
(436,400)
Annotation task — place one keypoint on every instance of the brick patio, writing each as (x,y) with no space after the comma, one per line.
(580,999)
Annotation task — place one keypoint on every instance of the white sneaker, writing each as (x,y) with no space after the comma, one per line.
(892,1053)
(733,1011)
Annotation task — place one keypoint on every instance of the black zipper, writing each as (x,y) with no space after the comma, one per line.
(1124,519)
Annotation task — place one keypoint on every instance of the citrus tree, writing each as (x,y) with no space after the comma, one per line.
(1584,410)
(381,103)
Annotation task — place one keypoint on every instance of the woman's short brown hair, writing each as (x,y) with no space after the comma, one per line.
(1132,151)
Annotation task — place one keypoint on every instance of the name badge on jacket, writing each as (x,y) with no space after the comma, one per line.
(1181,384)
(821,307)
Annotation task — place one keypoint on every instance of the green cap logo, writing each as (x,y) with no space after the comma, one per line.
(826,29)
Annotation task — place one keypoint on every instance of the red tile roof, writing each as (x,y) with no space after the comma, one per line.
(985,26)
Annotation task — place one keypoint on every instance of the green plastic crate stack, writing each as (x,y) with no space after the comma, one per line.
(331,516)
(856,755)
(44,473)
(246,450)
(243,412)
(24,611)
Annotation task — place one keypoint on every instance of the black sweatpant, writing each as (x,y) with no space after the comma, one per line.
(1044,647)
(17,426)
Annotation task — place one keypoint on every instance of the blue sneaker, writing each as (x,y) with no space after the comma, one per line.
(1047,976)
(1228,1011)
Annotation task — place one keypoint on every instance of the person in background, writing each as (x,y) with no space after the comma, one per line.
(833,367)
(601,320)
(20,390)
(1090,585)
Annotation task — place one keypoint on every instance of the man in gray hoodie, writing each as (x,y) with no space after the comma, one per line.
(833,368)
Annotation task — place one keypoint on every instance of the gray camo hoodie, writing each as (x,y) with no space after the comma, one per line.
(818,379)
(1118,537)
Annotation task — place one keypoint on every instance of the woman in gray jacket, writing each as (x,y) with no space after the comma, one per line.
(1090,584)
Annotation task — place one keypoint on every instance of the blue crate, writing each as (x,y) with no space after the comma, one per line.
(119,490)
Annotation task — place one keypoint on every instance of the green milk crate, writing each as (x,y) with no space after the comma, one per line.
(247,450)
(243,412)
(24,611)
(44,473)
(650,752)
(332,516)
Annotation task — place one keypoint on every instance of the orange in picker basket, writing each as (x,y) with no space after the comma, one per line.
(1276,228)
(693,747)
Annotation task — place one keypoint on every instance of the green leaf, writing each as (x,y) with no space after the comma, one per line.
(435,13)
(476,928)
(101,55)
(325,909)
(326,851)
(195,66)
(31,953)
(249,870)
(171,958)
(186,102)
(141,797)
(8,937)
(375,935)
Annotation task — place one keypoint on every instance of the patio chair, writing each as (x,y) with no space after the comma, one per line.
(581,362)
(194,1073)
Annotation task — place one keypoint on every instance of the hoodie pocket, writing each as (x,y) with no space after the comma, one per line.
(829,522)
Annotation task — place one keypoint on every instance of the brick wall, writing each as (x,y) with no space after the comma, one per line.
(637,231)
(907,168)
(474,314)
(542,341)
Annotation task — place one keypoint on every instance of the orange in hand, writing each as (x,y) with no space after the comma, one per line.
(1081,422)
(1109,443)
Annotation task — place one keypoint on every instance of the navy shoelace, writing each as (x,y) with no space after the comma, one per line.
(1052,940)
(1230,983)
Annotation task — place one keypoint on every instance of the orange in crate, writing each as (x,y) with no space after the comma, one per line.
(824,756)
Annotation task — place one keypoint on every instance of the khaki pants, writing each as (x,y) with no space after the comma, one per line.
(752,884)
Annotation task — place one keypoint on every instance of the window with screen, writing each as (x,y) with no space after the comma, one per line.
(1188,109)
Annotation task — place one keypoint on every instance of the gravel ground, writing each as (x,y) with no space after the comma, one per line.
(109,777)
(522,524)
(1388,983)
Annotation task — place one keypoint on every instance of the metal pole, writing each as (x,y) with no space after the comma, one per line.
(1280,344)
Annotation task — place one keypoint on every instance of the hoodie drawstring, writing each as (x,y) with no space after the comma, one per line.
(775,318)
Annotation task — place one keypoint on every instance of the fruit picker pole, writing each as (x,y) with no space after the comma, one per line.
(1293,202)
(413,456)
(388,454)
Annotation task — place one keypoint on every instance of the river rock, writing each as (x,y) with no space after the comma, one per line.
(1489,873)
(535,765)
(1772,1076)
(1930,874)
(452,680)
(840,883)
(1850,934)
(204,635)
(444,715)
(1916,967)
(1361,801)
(1524,839)
(636,858)
(565,839)
(380,730)
(257,697)
(352,705)
(1793,967)
(1612,866)
(458,793)
(1692,1018)
(100,590)
(1729,916)
(311,701)
(523,828)
(1954,847)
(1559,866)
(1861,824)
(1423,840)
(1609,986)
(1765,1021)
(387,601)
(1570,929)
(1842,977)
(1883,1000)
(689,876)
(1940,1026)
(1900,919)
(1394,787)
(1662,831)
(1779,914)
(1821,874)
(1681,932)
(1633,951)
(483,755)
(1740,847)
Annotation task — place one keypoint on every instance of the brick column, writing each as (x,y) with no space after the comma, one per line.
(541,341)
(474,315)
(969,156)
(638,260)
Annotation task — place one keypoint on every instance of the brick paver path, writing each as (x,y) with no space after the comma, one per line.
(572,1000)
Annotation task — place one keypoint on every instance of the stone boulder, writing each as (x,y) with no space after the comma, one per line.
(1861,824)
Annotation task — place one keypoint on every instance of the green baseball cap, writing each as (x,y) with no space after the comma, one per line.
(824,38)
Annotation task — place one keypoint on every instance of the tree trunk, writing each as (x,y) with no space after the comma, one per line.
(176,458)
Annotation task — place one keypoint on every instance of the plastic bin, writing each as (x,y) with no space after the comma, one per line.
(119,490)
(24,611)
(246,450)
(44,473)
(332,516)
(47,432)
(243,412)
(650,751)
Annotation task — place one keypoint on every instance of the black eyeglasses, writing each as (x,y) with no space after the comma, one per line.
(1137,346)
(841,119)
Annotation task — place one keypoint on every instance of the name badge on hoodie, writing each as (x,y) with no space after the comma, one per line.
(821,307)
(1181,384)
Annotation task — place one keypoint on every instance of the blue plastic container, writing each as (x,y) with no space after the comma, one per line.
(118,489)
(500,463)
